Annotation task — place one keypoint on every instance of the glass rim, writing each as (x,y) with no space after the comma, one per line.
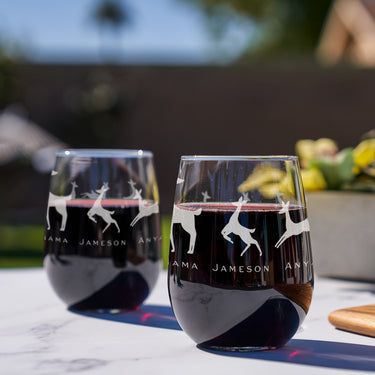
(240,157)
(104,153)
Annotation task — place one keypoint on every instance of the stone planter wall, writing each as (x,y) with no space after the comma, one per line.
(342,234)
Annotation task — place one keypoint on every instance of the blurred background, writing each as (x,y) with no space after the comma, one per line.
(175,77)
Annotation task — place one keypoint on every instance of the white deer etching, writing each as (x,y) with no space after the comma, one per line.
(98,210)
(235,227)
(206,197)
(144,209)
(133,189)
(187,220)
(59,202)
(292,229)
(91,195)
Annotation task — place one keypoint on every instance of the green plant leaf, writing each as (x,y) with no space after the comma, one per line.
(336,171)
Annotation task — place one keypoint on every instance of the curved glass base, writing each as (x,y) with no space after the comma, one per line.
(236,348)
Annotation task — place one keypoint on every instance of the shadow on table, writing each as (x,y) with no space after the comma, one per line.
(316,353)
(307,352)
(145,315)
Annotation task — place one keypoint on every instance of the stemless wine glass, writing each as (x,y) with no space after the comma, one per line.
(240,273)
(103,234)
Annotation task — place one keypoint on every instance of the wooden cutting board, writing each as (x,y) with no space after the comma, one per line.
(359,319)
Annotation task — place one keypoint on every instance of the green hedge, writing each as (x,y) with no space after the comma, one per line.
(22,246)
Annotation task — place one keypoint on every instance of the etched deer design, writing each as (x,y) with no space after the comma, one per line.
(98,210)
(187,220)
(59,202)
(206,197)
(144,209)
(133,190)
(91,195)
(292,229)
(235,227)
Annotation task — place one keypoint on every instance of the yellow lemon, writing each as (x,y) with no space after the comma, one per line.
(261,176)
(364,153)
(313,179)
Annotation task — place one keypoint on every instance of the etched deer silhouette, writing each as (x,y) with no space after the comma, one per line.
(59,202)
(133,190)
(187,220)
(292,229)
(206,197)
(235,227)
(98,210)
(144,209)
(91,195)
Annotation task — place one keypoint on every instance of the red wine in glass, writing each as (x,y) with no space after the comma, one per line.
(240,274)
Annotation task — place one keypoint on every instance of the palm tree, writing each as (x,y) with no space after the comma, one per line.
(111,16)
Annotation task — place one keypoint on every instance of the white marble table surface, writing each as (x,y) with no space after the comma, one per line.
(38,335)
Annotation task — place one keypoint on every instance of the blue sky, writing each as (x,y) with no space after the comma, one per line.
(161,31)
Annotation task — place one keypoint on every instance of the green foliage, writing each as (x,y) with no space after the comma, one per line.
(21,246)
(336,171)
(165,232)
(21,237)
(284,27)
